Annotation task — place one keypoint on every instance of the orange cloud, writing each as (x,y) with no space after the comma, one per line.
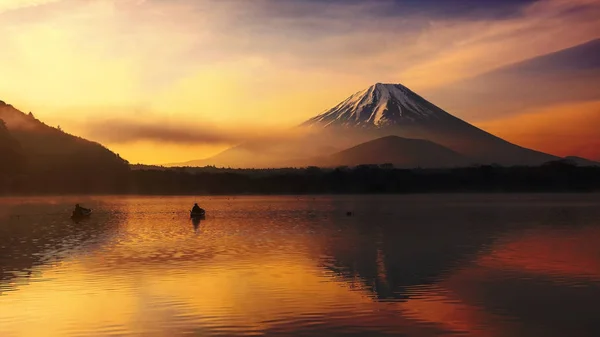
(564,130)
(8,5)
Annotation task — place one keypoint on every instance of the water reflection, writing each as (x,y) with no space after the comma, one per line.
(396,251)
(412,265)
(196,223)
(41,232)
(531,282)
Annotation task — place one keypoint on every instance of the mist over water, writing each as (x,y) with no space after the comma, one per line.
(427,265)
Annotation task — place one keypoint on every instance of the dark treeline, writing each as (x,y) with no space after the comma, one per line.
(557,176)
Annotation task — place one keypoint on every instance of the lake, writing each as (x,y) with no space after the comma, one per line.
(411,265)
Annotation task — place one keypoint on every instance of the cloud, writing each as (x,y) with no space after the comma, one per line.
(395,8)
(131,52)
(420,47)
(9,5)
(122,131)
(570,75)
(486,45)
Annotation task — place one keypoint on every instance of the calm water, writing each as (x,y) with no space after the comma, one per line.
(475,265)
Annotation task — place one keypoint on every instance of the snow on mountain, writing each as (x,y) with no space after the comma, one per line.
(379,105)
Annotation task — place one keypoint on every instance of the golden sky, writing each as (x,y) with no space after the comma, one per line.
(264,64)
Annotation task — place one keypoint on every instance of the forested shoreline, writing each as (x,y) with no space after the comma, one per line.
(365,179)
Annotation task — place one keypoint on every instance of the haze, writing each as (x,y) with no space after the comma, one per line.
(232,69)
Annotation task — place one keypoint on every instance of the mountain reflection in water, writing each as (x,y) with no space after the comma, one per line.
(429,265)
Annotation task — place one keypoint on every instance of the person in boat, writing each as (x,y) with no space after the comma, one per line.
(80,210)
(196,209)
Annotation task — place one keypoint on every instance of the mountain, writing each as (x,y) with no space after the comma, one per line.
(292,151)
(380,105)
(55,160)
(378,111)
(401,152)
(393,109)
(581,161)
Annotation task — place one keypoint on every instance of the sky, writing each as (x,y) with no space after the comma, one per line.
(247,67)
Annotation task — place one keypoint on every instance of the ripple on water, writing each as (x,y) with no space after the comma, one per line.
(412,265)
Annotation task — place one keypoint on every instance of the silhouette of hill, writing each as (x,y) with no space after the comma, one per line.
(59,161)
(398,151)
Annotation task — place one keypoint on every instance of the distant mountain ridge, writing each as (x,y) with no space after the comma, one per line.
(379,111)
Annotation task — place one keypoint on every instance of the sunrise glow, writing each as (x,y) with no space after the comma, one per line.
(270,64)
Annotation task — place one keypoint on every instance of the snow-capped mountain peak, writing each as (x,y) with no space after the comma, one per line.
(380,111)
(379,105)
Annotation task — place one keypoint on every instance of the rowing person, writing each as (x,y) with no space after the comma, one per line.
(81,210)
(196,209)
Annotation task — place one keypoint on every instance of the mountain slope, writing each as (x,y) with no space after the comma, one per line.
(401,152)
(392,109)
(56,160)
(380,105)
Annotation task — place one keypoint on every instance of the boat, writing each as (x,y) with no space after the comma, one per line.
(198,214)
(81,214)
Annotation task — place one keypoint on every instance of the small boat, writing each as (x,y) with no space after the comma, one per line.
(82,214)
(198,214)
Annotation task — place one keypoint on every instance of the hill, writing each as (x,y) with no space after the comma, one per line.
(55,160)
(400,152)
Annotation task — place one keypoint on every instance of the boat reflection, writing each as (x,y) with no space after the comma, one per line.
(196,223)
